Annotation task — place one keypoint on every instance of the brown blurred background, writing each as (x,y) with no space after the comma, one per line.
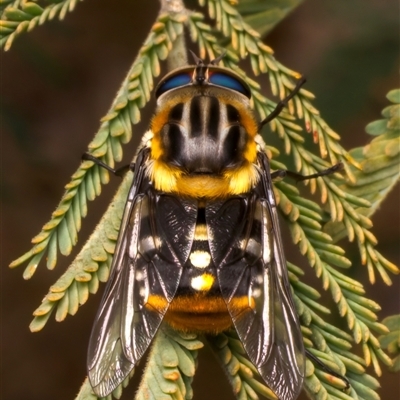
(59,80)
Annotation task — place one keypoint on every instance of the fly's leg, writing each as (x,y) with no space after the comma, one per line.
(282,173)
(283,103)
(118,172)
(326,369)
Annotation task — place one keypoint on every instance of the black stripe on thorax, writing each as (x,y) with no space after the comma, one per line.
(232,114)
(204,116)
(213,111)
(173,140)
(231,148)
(176,112)
(195,116)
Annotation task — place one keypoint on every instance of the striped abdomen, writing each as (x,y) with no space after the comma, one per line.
(198,305)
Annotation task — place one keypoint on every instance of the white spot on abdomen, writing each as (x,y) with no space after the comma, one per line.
(200,259)
(202,282)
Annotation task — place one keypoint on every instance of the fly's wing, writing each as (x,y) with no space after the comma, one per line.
(145,275)
(254,283)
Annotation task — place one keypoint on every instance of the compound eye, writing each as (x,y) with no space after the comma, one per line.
(174,82)
(229,82)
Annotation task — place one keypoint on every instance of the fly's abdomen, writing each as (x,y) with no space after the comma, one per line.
(198,305)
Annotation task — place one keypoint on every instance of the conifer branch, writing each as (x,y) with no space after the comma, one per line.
(331,344)
(379,173)
(61,232)
(347,293)
(21,15)
(90,267)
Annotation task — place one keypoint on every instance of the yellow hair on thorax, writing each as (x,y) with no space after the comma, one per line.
(171,179)
(163,176)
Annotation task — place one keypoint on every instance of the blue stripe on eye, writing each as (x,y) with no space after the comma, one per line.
(228,81)
(174,82)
